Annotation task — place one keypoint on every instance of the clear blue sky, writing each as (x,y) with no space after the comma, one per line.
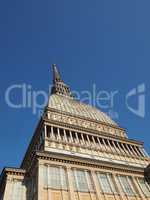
(106,42)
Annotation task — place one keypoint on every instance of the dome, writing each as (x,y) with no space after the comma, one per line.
(62,100)
(78,109)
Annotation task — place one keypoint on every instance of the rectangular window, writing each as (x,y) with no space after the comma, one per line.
(126,185)
(83,181)
(64,180)
(106,183)
(112,184)
(18,191)
(55,177)
(54,180)
(144,187)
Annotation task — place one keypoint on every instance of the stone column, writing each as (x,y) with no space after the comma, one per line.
(105,145)
(71,136)
(58,132)
(49,195)
(110,182)
(126,152)
(82,138)
(88,140)
(45,131)
(138,188)
(59,139)
(131,186)
(96,185)
(133,151)
(8,188)
(40,182)
(77,137)
(88,181)
(73,148)
(66,140)
(52,136)
(112,150)
(65,135)
(144,152)
(122,151)
(117,150)
(52,133)
(70,183)
(118,186)
(136,150)
(130,152)
(100,145)
(100,148)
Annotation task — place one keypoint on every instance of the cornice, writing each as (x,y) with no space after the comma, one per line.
(88,162)
(96,149)
(84,118)
(11,171)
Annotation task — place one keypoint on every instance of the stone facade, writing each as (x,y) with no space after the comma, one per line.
(78,153)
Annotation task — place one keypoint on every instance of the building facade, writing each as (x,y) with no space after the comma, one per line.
(78,153)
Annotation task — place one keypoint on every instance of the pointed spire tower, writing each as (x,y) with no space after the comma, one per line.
(59,87)
(77,152)
(56,74)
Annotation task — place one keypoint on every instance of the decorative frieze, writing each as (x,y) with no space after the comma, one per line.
(59,117)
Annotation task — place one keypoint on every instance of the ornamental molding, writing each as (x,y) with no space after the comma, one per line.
(92,147)
(16,171)
(64,120)
(89,163)
(85,123)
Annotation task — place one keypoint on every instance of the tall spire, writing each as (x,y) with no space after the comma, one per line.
(59,87)
(56,74)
